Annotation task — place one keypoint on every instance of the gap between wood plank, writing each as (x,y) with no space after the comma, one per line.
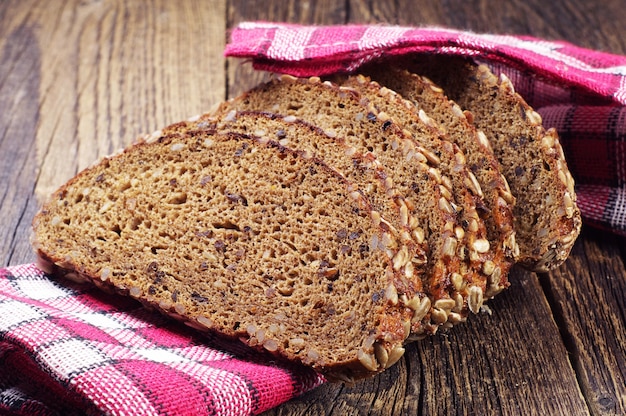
(566,336)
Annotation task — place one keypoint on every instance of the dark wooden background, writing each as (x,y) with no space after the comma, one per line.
(81,78)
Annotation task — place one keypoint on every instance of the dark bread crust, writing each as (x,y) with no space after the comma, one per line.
(159,239)
(547,220)
(471,230)
(496,204)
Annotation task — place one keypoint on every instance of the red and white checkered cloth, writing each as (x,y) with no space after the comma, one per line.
(580,92)
(70,349)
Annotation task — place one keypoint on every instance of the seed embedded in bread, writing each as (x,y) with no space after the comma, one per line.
(290,206)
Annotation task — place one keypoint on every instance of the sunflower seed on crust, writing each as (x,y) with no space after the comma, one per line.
(475,299)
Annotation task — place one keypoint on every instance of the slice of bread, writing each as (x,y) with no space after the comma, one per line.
(345,113)
(239,237)
(473,248)
(546,217)
(365,173)
(496,202)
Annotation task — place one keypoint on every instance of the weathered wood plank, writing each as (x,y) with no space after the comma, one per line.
(586,24)
(82,79)
(511,360)
(116,70)
(20,60)
(588,294)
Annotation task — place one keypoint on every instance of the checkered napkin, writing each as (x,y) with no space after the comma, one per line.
(580,92)
(70,349)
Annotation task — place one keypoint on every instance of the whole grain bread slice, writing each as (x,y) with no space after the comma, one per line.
(473,248)
(546,218)
(496,203)
(364,172)
(239,237)
(345,113)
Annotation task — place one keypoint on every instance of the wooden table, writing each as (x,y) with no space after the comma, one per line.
(81,78)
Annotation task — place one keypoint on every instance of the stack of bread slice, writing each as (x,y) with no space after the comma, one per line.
(546,219)
(329,222)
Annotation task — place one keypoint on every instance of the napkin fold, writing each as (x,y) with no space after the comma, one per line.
(71,349)
(580,92)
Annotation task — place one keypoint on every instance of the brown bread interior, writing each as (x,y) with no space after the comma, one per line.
(228,234)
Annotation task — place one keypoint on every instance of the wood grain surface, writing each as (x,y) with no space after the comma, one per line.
(82,78)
